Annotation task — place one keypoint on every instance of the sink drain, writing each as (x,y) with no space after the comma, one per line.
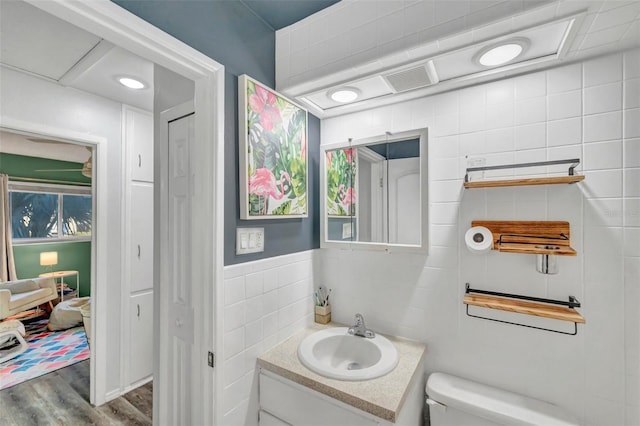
(354,366)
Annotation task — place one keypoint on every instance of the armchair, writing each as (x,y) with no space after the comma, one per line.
(20,295)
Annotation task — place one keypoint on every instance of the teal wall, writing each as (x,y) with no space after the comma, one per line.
(72,255)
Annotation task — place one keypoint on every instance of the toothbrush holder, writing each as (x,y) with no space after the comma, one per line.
(323,314)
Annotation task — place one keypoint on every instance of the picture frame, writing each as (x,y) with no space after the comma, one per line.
(273,168)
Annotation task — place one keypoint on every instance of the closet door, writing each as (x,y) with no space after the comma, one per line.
(141,237)
(139,136)
(141,337)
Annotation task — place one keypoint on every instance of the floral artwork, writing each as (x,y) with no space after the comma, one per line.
(273,156)
(341,192)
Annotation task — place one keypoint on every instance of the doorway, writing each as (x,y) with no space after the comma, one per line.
(119,27)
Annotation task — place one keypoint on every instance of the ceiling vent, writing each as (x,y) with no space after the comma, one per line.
(412,78)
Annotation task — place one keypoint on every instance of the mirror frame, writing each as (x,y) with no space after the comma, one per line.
(421,134)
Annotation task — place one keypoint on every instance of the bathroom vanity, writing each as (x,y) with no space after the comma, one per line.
(291,394)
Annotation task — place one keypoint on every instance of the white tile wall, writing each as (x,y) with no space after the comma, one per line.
(265,302)
(571,111)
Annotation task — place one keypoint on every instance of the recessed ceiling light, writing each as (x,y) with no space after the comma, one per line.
(502,53)
(344,94)
(131,83)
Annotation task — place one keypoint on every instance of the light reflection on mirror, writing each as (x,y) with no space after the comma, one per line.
(375,192)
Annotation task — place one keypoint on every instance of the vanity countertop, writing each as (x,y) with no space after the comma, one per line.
(383,397)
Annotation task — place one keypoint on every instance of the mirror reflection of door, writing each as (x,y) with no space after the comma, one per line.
(374,194)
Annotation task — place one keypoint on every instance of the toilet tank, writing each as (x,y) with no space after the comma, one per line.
(456,401)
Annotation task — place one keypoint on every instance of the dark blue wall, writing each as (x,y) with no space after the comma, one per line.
(234,36)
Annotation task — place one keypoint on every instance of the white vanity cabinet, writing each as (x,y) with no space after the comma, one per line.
(137,240)
(283,402)
(296,405)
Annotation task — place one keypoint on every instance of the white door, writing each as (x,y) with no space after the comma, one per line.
(404,201)
(178,360)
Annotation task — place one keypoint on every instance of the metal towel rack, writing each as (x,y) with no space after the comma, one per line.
(574,163)
(567,315)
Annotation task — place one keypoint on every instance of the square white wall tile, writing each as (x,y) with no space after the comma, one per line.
(605,98)
(234,316)
(443,147)
(632,243)
(254,284)
(233,290)
(564,132)
(603,70)
(631,208)
(603,155)
(499,115)
(500,92)
(500,140)
(599,212)
(565,105)
(603,184)
(632,93)
(233,342)
(531,110)
(531,136)
(632,123)
(531,85)
(564,79)
(632,64)
(632,183)
(602,127)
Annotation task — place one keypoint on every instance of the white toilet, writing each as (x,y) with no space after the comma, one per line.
(454,401)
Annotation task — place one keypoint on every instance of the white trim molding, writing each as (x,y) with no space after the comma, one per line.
(116,25)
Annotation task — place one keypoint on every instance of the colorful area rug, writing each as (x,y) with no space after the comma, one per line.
(48,351)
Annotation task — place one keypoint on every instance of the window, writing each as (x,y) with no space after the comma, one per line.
(49,213)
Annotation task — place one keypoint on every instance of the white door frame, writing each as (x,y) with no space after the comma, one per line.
(118,26)
(99,283)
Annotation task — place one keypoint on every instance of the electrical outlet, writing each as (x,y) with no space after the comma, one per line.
(249,240)
(476,162)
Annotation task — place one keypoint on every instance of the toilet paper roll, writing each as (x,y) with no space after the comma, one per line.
(478,239)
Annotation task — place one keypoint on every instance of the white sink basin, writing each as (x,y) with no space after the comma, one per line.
(335,354)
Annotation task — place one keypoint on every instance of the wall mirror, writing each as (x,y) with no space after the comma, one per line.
(375,193)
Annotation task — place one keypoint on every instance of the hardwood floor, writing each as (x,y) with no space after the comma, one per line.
(62,398)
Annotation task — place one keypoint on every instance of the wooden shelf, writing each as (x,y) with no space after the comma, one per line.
(525,307)
(524,182)
(511,236)
(535,249)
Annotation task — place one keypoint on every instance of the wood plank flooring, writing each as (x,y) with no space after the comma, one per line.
(62,398)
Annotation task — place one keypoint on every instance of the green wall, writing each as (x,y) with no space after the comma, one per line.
(22,166)
(72,255)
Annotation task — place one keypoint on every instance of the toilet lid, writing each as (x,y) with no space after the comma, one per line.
(494,404)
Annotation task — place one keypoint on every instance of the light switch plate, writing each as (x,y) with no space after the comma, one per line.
(249,240)
(347,230)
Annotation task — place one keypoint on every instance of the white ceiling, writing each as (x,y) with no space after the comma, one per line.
(38,43)
(598,27)
(14,143)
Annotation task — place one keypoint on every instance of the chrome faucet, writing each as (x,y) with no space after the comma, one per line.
(359,329)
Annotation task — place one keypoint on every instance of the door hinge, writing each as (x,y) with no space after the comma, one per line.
(211,359)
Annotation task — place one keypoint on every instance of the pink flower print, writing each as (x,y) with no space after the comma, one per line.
(348,198)
(263,183)
(262,103)
(349,154)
